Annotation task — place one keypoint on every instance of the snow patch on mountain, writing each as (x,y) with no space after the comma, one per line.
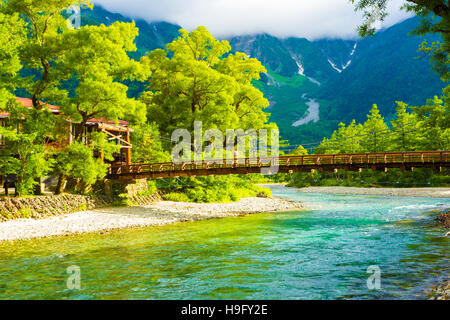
(314,81)
(333,65)
(301,69)
(349,62)
(354,49)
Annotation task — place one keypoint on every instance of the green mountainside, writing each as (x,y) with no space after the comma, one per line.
(344,76)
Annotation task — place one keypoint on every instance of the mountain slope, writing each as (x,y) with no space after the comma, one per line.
(384,70)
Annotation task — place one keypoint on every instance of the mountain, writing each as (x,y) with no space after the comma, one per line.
(385,69)
(314,85)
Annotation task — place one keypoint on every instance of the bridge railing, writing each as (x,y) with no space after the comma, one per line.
(413,157)
(367,158)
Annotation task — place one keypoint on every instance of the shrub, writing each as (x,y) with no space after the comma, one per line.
(217,189)
(177,197)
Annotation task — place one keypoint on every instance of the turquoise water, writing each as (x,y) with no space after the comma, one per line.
(322,253)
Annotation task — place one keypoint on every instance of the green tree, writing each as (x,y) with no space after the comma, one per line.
(147,144)
(197,79)
(300,151)
(96,62)
(344,140)
(376,132)
(405,130)
(25,153)
(434,123)
(45,26)
(78,162)
(435,19)
(12,35)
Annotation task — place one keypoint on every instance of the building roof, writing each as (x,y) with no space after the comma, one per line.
(55,109)
(29,103)
(103,120)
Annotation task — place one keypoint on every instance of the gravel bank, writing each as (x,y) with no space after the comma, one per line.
(440,292)
(444,219)
(400,192)
(158,213)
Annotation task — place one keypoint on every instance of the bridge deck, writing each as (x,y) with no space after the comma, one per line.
(285,164)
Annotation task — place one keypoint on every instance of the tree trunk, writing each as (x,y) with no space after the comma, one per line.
(60,187)
(38,189)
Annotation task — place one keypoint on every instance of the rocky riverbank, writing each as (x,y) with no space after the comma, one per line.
(157,213)
(443,219)
(440,292)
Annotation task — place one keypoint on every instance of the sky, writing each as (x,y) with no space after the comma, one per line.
(310,19)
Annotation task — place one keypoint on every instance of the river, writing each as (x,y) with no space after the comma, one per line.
(322,253)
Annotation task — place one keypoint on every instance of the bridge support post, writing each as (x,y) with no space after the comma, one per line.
(128,150)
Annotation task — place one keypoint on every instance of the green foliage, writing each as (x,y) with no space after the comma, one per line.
(24,213)
(404,129)
(152,188)
(12,36)
(78,162)
(434,123)
(147,145)
(45,26)
(197,79)
(343,140)
(217,189)
(177,197)
(82,207)
(122,201)
(393,178)
(376,130)
(300,151)
(96,61)
(25,153)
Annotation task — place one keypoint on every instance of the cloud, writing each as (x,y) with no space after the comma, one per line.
(282,18)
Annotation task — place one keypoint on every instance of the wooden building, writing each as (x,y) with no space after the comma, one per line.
(117,132)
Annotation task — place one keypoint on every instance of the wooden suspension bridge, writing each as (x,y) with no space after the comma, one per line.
(379,161)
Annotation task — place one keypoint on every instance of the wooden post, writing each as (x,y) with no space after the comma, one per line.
(70,133)
(128,149)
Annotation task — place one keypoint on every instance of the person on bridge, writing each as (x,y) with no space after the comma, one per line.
(235,154)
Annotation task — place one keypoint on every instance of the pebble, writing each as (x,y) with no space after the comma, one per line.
(157,213)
